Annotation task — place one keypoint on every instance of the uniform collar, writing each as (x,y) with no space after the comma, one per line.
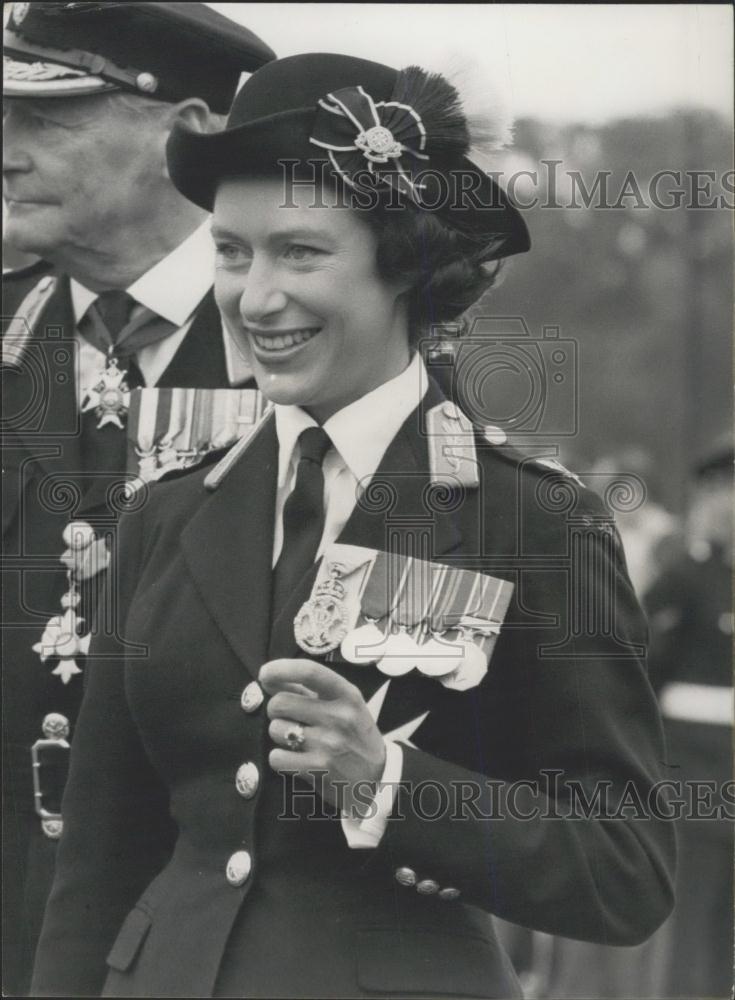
(362,431)
(173,287)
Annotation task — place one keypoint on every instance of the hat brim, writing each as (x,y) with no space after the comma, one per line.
(199,162)
(47,79)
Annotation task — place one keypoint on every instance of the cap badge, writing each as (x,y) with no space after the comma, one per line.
(378,144)
(35,72)
(380,137)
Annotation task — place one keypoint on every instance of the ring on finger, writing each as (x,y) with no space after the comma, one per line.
(295,737)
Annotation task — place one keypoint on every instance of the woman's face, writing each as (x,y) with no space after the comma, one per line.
(299,289)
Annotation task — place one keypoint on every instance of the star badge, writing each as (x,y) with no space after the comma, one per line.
(110,397)
(61,639)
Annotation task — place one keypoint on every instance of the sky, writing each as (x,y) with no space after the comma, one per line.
(562,62)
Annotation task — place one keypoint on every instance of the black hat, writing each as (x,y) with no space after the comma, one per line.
(169,51)
(369,125)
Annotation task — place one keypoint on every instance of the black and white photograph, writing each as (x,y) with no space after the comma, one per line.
(367,460)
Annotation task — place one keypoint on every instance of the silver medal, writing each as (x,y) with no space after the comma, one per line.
(110,397)
(320,626)
(438,658)
(402,654)
(365,644)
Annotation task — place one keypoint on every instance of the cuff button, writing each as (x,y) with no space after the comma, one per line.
(427,887)
(449,893)
(406,876)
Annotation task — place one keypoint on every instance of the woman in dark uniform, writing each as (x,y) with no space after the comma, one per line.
(370,594)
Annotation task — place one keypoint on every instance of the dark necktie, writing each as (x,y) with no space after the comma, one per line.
(103,449)
(102,325)
(114,309)
(303,518)
(108,326)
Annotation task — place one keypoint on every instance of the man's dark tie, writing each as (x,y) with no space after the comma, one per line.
(104,449)
(114,309)
(303,518)
(108,326)
(102,325)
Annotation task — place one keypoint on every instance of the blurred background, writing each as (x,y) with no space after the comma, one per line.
(639,294)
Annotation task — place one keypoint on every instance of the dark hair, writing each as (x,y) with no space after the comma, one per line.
(445,267)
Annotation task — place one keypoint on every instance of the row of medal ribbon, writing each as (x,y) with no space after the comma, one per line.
(437,619)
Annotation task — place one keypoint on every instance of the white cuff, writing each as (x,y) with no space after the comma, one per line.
(369,831)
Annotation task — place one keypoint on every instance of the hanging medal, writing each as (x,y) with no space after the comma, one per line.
(61,639)
(321,624)
(180,419)
(472,664)
(142,417)
(402,651)
(438,656)
(366,643)
(110,396)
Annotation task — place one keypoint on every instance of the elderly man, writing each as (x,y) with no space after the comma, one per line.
(120,299)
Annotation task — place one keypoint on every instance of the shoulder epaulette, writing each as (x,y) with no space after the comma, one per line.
(554,465)
(451,443)
(218,473)
(20,327)
(544,464)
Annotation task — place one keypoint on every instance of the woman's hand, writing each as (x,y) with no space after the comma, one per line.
(339,733)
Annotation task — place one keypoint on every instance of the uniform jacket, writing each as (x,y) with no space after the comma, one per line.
(141,905)
(45,484)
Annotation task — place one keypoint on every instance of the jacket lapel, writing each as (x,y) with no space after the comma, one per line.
(401,508)
(228,547)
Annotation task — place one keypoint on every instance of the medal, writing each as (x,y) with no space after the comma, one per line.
(401,651)
(365,644)
(110,397)
(471,664)
(438,658)
(321,624)
(401,655)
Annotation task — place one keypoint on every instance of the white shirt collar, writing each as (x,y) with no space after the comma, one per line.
(362,431)
(173,287)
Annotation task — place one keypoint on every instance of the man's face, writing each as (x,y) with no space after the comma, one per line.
(299,288)
(76,170)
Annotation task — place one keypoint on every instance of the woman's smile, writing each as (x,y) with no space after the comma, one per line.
(277,345)
(323,326)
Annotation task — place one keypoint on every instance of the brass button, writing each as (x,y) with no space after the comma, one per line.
(427,887)
(449,893)
(238,868)
(252,697)
(247,780)
(406,876)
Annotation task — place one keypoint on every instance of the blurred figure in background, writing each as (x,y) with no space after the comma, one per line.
(651,534)
(689,604)
(690,667)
